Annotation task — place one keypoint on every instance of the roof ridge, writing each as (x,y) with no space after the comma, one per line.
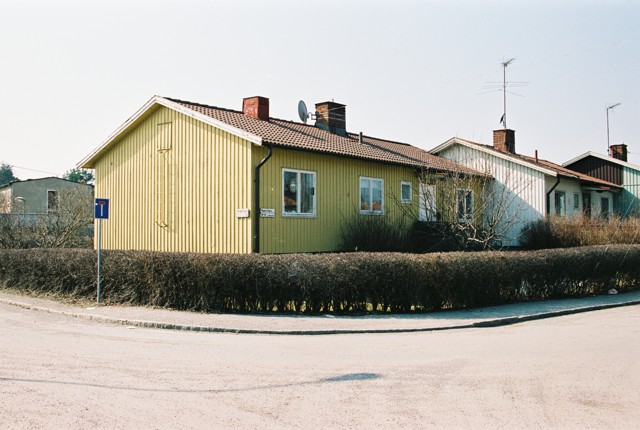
(357,135)
(203,105)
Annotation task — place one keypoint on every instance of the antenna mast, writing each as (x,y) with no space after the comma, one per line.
(504,90)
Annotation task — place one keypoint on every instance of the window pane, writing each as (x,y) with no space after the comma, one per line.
(469,203)
(560,201)
(365,195)
(306,193)
(376,195)
(461,209)
(52,200)
(290,192)
(406,192)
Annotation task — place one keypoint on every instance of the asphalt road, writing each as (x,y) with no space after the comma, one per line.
(577,371)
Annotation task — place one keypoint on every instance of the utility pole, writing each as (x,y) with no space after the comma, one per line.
(608,109)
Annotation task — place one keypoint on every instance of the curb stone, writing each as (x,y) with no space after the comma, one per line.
(497,322)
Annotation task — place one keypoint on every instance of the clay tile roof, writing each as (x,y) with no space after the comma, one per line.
(307,137)
(562,171)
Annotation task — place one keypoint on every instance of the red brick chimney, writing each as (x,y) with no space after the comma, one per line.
(619,152)
(505,140)
(332,117)
(256,107)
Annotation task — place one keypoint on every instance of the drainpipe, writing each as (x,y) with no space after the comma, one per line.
(256,201)
(549,194)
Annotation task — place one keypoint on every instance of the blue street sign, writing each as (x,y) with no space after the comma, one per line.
(102,209)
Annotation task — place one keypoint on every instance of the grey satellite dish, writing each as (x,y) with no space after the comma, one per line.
(303,113)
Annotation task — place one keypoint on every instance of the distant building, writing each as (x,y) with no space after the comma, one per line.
(33,197)
(614,168)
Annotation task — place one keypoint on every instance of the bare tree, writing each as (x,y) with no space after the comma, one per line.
(473,212)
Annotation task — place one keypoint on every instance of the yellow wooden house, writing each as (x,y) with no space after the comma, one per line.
(187,177)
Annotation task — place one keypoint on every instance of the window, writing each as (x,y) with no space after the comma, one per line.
(465,204)
(405,192)
(604,207)
(52,201)
(586,204)
(576,202)
(371,195)
(427,210)
(298,193)
(561,203)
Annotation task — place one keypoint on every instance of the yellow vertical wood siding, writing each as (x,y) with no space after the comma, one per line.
(337,198)
(174,184)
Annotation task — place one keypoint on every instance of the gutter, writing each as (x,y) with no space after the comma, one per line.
(256,201)
(549,194)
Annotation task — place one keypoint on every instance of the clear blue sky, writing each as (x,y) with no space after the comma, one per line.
(411,71)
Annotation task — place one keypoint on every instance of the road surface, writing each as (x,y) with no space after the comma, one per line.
(578,371)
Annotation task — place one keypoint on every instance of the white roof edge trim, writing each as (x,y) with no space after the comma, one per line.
(463,142)
(211,121)
(177,107)
(602,157)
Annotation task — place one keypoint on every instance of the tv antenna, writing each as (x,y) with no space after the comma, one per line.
(303,113)
(502,86)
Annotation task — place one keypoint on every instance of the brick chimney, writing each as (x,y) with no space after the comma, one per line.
(332,117)
(256,107)
(505,140)
(619,152)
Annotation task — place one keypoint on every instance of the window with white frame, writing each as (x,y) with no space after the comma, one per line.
(465,204)
(298,193)
(561,203)
(371,195)
(406,192)
(427,208)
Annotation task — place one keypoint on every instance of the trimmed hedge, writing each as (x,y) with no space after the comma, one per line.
(336,283)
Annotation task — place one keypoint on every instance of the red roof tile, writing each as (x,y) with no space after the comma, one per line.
(307,137)
(560,170)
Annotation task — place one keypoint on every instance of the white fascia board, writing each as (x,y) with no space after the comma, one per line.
(208,120)
(157,100)
(443,146)
(471,145)
(602,157)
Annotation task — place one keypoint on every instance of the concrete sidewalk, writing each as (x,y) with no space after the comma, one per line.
(325,324)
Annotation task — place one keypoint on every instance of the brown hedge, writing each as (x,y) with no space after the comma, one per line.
(337,283)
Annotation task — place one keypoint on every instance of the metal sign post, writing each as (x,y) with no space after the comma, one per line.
(101,212)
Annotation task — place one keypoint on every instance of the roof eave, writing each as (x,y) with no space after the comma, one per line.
(496,154)
(89,161)
(602,157)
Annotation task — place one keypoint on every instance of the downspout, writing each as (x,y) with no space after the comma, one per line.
(549,194)
(256,201)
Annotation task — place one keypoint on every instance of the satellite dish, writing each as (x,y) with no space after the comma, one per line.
(303,113)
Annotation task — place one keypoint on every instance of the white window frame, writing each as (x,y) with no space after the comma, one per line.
(410,199)
(468,211)
(371,211)
(298,214)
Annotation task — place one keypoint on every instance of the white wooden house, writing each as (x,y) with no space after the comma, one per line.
(528,188)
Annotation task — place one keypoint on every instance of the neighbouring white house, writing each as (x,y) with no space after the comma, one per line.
(527,188)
